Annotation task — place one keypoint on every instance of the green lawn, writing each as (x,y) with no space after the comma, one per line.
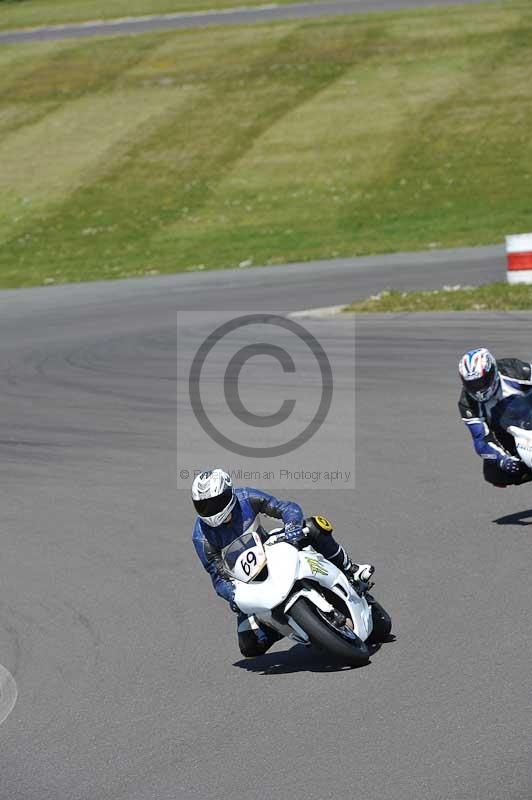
(489,297)
(31,13)
(268,143)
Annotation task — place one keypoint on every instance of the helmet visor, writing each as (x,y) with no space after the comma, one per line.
(479,385)
(211,506)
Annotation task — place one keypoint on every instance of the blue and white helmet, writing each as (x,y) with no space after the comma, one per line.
(479,374)
(213,496)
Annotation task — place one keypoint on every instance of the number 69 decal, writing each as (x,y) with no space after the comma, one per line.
(250,562)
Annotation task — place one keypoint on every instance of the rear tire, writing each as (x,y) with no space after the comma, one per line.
(382,623)
(351,651)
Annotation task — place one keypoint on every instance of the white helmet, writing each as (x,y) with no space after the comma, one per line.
(213,496)
(479,374)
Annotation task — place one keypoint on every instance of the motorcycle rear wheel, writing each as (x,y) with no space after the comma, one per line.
(382,623)
(323,636)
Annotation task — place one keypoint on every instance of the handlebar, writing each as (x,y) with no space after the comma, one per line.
(280,537)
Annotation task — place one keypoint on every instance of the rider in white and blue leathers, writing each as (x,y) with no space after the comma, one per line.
(486,383)
(225,513)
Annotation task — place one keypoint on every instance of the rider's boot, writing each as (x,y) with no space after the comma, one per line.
(353,571)
(320,535)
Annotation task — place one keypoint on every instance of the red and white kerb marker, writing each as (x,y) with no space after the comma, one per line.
(519,258)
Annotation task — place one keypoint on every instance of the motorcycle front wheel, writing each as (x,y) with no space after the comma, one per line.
(326,637)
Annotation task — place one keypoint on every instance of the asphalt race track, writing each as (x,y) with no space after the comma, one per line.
(235,16)
(130,684)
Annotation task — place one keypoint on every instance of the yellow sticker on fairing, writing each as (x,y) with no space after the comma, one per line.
(324,524)
(316,567)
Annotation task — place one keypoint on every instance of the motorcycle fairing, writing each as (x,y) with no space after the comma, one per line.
(286,565)
(313,566)
(523,443)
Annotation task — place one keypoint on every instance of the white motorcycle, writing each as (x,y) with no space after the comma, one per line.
(304,597)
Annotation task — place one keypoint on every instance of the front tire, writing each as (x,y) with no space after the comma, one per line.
(323,636)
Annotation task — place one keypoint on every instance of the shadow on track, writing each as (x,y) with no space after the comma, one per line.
(298,659)
(519,518)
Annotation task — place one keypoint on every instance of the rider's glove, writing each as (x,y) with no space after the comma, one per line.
(231,598)
(363,572)
(293,532)
(510,465)
(226,589)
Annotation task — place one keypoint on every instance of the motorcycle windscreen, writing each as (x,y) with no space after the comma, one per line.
(245,557)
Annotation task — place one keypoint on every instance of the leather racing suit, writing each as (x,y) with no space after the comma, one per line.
(491,441)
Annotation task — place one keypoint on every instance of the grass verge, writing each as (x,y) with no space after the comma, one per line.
(265,144)
(35,13)
(489,297)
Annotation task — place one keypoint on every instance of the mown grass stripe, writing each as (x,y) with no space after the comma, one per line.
(44,163)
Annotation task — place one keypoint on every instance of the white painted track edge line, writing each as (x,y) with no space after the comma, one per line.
(8,693)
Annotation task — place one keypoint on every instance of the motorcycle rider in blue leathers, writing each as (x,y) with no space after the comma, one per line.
(225,513)
(485,383)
